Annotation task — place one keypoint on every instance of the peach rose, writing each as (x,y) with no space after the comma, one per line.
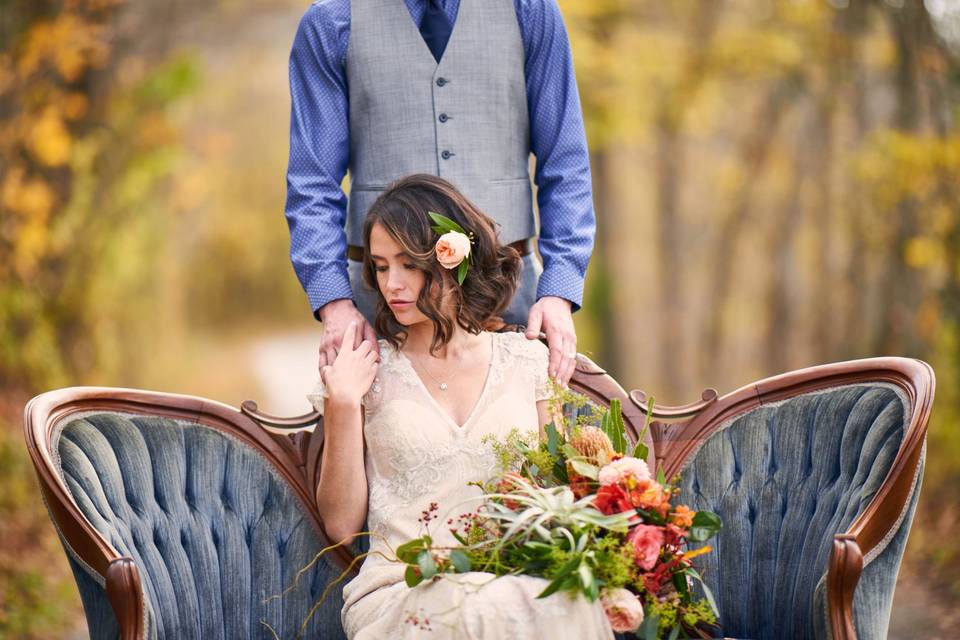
(626,467)
(452,248)
(623,609)
(647,494)
(646,540)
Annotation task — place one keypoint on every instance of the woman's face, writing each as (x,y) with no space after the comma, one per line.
(399,280)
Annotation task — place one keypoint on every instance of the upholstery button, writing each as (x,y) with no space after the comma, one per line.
(446,155)
(441,81)
(444,117)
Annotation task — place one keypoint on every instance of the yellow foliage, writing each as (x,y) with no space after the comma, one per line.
(30,247)
(68,43)
(923,252)
(48,138)
(7,74)
(74,106)
(30,197)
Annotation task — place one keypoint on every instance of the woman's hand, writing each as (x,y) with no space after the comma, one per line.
(352,373)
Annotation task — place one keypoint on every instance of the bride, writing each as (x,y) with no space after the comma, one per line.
(405,420)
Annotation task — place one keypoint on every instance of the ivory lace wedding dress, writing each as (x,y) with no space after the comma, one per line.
(416,454)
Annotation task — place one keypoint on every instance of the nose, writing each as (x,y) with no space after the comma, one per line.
(394,280)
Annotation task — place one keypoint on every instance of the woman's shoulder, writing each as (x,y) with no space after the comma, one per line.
(517,348)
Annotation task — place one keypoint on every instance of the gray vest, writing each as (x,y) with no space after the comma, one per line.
(464,119)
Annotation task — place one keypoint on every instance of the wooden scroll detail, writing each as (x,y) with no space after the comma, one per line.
(250,409)
(125,593)
(846,564)
(664,412)
(667,420)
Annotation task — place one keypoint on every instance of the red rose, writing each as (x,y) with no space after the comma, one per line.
(611,499)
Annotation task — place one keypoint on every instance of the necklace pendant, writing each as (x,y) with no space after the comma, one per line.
(443,386)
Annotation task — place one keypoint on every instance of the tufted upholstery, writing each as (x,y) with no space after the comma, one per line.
(785,478)
(213,528)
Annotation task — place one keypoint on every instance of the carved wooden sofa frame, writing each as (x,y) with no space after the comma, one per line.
(676,433)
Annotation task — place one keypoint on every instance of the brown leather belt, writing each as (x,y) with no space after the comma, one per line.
(523,247)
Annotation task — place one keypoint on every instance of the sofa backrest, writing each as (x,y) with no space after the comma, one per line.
(785,478)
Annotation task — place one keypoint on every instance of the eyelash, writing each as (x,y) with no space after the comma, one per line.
(408,265)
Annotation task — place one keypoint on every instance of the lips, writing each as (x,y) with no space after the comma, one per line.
(400,303)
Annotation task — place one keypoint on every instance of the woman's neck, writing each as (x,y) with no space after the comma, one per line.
(420,337)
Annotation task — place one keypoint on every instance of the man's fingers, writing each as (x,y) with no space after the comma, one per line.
(569,364)
(331,355)
(371,335)
(348,340)
(534,322)
(322,360)
(323,373)
(555,342)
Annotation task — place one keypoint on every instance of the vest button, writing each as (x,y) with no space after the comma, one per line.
(444,117)
(446,155)
(441,82)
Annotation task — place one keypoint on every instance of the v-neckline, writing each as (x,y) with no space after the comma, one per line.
(416,28)
(483,391)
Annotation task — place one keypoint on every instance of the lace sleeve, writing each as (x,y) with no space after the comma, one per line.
(541,364)
(319,394)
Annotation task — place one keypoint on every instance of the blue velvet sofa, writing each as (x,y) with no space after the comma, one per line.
(184,518)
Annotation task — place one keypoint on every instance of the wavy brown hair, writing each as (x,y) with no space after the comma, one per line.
(490,284)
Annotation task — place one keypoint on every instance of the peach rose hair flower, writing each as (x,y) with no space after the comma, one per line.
(453,247)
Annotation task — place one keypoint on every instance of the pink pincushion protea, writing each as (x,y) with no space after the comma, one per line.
(623,609)
(626,467)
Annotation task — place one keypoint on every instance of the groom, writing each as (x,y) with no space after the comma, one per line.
(462,89)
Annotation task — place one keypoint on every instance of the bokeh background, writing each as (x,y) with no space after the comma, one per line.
(777,185)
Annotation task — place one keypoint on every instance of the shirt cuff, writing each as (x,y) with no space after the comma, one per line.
(563,281)
(327,287)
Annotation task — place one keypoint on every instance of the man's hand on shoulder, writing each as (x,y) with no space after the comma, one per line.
(553,315)
(336,317)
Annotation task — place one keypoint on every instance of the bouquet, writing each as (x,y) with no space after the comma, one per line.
(577,508)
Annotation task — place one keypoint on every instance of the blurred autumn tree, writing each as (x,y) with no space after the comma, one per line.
(777,185)
(85,145)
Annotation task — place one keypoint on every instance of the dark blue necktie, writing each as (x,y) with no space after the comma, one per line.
(435,28)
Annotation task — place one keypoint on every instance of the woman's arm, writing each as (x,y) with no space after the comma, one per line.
(543,413)
(342,490)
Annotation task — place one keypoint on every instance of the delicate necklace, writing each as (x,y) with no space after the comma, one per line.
(443,385)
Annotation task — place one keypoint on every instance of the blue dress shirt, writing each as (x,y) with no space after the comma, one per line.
(320,149)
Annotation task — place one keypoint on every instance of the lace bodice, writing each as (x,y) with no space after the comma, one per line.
(416,454)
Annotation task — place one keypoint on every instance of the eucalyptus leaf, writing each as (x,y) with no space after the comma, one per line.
(428,568)
(461,561)
(569,451)
(706,524)
(653,625)
(585,468)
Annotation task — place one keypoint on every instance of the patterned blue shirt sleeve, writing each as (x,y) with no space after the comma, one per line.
(558,140)
(319,152)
